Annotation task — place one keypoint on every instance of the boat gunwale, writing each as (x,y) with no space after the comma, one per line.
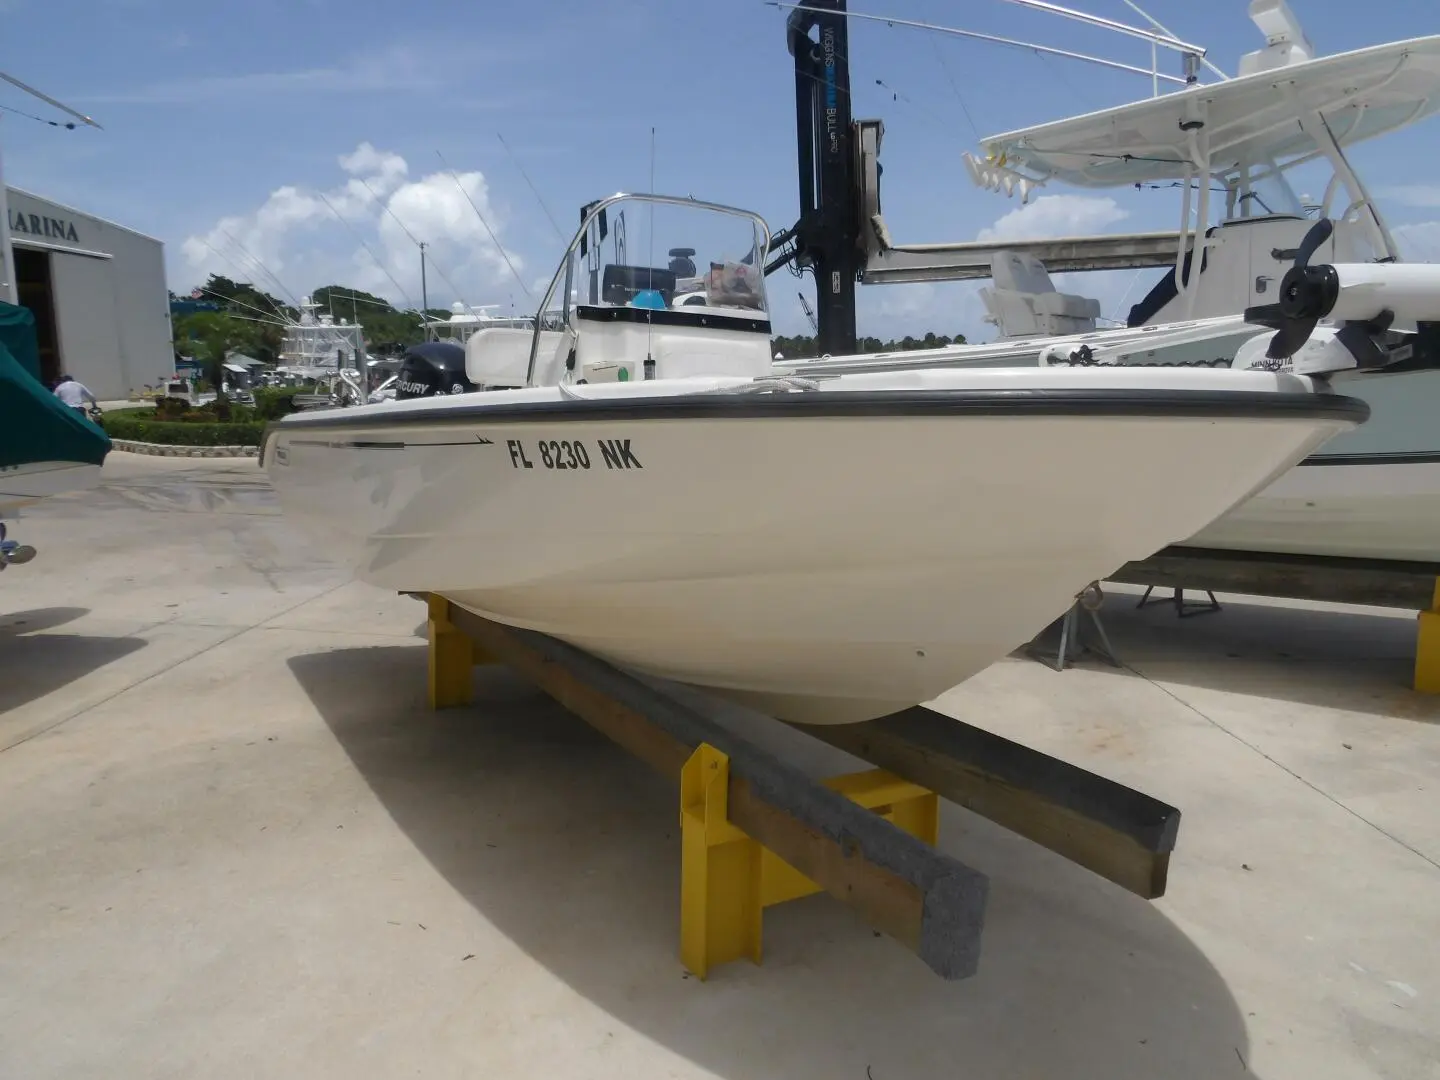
(855,404)
(1064,401)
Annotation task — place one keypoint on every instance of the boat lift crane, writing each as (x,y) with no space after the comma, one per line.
(826,238)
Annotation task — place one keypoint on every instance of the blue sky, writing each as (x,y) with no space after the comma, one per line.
(223,121)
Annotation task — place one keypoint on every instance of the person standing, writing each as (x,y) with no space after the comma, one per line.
(74,394)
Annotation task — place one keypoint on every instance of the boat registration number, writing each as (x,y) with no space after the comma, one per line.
(567,454)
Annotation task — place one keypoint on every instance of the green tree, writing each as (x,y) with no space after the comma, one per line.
(802,347)
(244,298)
(386,329)
(209,336)
(245,304)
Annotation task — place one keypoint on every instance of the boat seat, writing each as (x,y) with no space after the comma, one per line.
(1023,302)
(621,284)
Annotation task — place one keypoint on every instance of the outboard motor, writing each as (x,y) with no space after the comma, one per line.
(431,368)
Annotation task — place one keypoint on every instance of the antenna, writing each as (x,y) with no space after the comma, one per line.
(996,40)
(277,318)
(1164,39)
(410,303)
(50,100)
(493,238)
(9,287)
(1157,25)
(386,207)
(263,268)
(244,270)
(649,318)
(553,223)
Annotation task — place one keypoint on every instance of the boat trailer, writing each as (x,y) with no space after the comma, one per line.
(756,831)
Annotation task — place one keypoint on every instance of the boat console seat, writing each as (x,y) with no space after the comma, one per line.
(621,284)
(1023,302)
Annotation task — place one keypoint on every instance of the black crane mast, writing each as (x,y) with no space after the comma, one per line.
(826,238)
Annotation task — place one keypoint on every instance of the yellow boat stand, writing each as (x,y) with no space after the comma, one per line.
(756,831)
(1427,647)
(453,658)
(727,879)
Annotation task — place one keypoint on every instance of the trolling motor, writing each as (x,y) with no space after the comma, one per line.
(1374,307)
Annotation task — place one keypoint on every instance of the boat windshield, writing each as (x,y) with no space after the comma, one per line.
(656,253)
(1262,191)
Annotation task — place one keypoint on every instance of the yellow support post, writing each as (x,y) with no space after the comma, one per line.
(1427,647)
(452,658)
(727,879)
(719,870)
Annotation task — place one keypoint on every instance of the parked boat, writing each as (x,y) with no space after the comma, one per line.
(463,321)
(640,484)
(317,347)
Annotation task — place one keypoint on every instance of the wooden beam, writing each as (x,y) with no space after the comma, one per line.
(930,902)
(1119,833)
(1376,582)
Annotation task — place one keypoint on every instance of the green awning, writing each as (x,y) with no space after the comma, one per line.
(17,333)
(35,425)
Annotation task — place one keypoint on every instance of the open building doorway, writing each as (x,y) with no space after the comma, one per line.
(36,289)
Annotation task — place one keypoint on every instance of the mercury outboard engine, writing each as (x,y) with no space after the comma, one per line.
(431,368)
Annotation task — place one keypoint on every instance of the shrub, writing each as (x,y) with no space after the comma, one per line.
(168,408)
(178,410)
(198,429)
(273,402)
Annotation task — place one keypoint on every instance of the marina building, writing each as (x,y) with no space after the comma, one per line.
(98,293)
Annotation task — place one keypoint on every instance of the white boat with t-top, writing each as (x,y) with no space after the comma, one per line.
(639,484)
(1286,119)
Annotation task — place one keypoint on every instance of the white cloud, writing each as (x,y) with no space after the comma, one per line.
(1056,215)
(298,236)
(395,69)
(1424,195)
(387,168)
(1419,241)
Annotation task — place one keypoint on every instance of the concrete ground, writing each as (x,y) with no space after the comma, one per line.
(235,843)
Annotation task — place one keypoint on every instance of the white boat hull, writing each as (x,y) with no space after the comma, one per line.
(825,563)
(20,484)
(1379,509)
(1371,494)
